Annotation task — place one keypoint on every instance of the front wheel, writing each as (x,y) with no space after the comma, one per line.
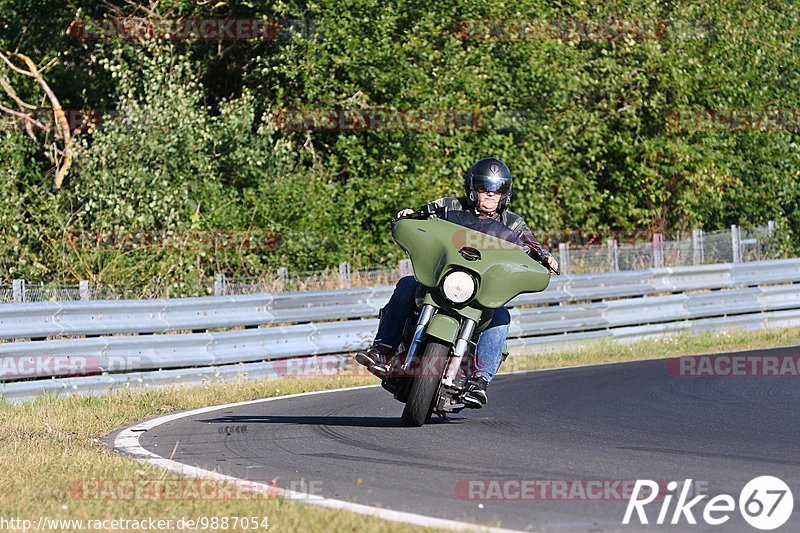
(422,396)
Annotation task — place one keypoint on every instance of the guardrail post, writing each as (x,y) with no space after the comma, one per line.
(283,275)
(613,254)
(563,257)
(404,267)
(18,290)
(658,250)
(736,244)
(220,284)
(344,275)
(697,246)
(83,289)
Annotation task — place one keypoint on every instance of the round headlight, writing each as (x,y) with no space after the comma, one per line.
(458,286)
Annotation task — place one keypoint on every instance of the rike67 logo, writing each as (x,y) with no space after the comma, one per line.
(765,503)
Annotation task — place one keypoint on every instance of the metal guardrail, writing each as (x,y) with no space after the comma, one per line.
(310,366)
(152,352)
(734,245)
(109,317)
(585,307)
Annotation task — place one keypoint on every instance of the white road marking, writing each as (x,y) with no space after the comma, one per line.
(127,442)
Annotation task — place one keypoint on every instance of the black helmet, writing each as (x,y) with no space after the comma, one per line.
(489,174)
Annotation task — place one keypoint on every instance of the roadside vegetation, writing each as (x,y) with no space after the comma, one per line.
(191,157)
(52,443)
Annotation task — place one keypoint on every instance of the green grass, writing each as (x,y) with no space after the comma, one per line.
(608,351)
(51,443)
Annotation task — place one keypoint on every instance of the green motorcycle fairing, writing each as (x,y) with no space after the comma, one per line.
(503,270)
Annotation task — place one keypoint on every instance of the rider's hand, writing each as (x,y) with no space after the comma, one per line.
(404,212)
(551,261)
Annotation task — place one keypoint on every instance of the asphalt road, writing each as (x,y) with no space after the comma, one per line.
(568,428)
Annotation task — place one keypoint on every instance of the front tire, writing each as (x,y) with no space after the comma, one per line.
(422,396)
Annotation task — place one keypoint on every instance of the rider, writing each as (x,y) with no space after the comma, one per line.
(488,193)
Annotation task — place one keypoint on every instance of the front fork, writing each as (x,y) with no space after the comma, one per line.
(459,350)
(425,315)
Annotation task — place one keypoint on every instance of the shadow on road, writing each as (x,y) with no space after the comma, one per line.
(352,421)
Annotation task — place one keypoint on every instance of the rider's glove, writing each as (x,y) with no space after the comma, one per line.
(550,262)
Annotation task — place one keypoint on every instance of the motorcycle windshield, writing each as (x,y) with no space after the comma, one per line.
(486,226)
(500,265)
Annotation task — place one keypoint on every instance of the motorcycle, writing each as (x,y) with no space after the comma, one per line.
(467,268)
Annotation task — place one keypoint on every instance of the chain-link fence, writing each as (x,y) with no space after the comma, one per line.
(758,244)
(717,247)
(734,245)
(21,291)
(341,277)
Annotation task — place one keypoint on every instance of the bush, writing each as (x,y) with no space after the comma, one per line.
(595,132)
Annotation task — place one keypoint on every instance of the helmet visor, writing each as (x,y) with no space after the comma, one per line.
(491,184)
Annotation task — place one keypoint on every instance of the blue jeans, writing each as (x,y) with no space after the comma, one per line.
(489,351)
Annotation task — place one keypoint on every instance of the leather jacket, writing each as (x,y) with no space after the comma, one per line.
(506,217)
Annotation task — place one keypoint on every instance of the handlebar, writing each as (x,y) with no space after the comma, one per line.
(426,212)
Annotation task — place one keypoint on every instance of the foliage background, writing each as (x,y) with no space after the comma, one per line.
(191,143)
